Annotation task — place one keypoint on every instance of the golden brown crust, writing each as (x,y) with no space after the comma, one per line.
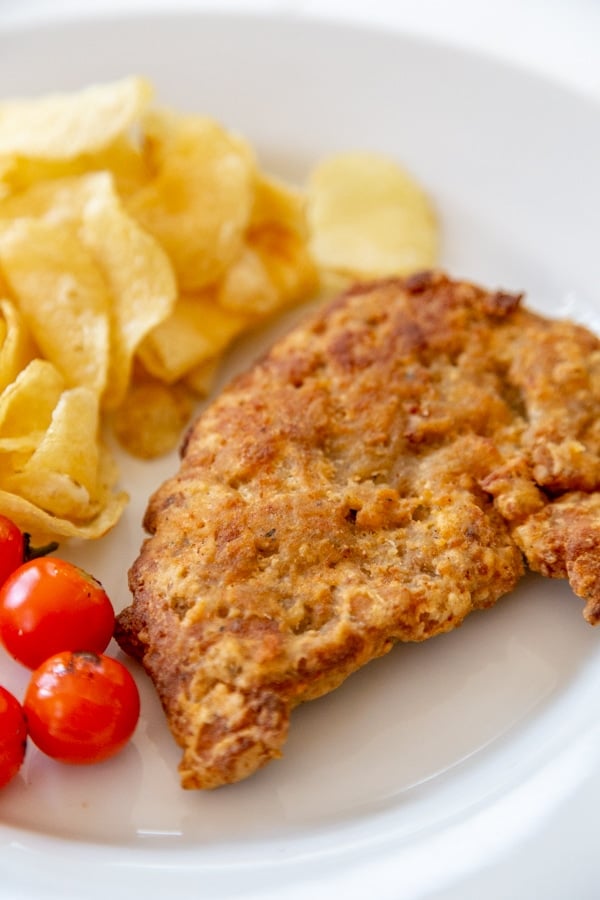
(376,476)
(562,540)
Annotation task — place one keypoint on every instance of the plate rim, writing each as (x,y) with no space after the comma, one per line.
(303,18)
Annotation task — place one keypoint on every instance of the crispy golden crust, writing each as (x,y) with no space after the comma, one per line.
(374,478)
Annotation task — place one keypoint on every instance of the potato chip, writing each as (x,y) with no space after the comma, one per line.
(27,404)
(54,492)
(151,420)
(287,261)
(4,289)
(197,330)
(136,269)
(201,378)
(273,270)
(65,488)
(16,344)
(58,199)
(66,125)
(61,474)
(199,200)
(26,409)
(122,159)
(44,526)
(246,287)
(277,201)
(7,165)
(274,267)
(141,281)
(62,296)
(369,218)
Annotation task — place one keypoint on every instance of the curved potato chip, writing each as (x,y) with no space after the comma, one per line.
(135,267)
(122,159)
(7,166)
(274,266)
(197,329)
(43,526)
(125,162)
(277,201)
(287,261)
(246,286)
(368,217)
(199,201)
(16,345)
(273,270)
(27,404)
(59,199)
(151,420)
(62,295)
(201,378)
(141,281)
(70,475)
(65,125)
(17,450)
(61,475)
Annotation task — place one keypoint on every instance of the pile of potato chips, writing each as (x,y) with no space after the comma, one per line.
(136,244)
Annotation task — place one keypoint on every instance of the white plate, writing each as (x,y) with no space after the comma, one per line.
(465,767)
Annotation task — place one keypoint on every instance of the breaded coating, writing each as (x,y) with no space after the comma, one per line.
(388,467)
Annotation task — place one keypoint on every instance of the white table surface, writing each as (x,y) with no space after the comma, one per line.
(560,38)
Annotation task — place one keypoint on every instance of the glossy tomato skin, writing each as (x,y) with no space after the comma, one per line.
(81,708)
(12,548)
(13,736)
(48,605)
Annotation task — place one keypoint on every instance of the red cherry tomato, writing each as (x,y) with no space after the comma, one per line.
(48,605)
(13,736)
(12,548)
(81,707)
(15,548)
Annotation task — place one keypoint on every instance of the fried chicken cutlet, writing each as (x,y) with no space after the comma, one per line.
(389,466)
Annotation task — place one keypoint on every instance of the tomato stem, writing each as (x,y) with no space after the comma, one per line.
(30,552)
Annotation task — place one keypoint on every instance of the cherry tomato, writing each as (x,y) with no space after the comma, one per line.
(81,707)
(48,605)
(13,736)
(15,548)
(12,548)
